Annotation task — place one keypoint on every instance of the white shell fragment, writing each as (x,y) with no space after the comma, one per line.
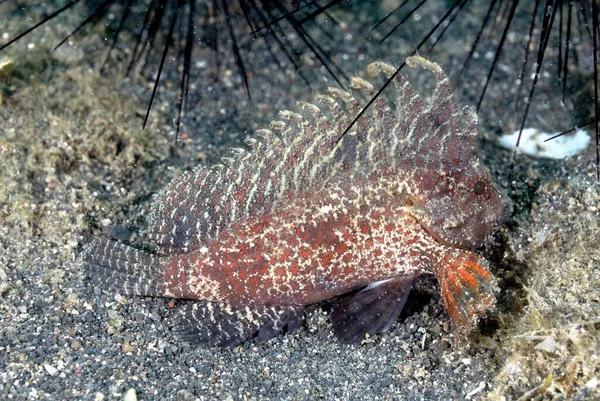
(532,143)
(549,345)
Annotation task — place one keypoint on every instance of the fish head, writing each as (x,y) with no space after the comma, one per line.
(461,207)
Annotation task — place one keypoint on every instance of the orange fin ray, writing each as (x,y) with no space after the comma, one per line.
(467,288)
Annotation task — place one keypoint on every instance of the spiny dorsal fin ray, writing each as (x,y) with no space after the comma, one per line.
(301,152)
(449,140)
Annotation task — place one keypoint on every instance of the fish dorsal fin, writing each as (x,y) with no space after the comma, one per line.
(302,151)
(445,141)
(292,156)
(416,134)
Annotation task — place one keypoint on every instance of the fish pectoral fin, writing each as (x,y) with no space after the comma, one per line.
(467,288)
(374,309)
(216,324)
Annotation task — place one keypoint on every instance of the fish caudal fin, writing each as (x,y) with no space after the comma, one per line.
(372,310)
(110,264)
(467,288)
(215,324)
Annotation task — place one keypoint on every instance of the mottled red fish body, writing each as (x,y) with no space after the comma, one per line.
(320,246)
(306,215)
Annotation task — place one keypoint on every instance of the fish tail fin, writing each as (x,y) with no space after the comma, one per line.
(467,288)
(110,264)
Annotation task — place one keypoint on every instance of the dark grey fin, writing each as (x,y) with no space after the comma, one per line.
(212,324)
(110,264)
(372,310)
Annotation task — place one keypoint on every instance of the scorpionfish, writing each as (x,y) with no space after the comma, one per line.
(302,215)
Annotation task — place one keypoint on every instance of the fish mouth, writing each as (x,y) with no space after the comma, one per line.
(447,243)
(437,237)
(466,245)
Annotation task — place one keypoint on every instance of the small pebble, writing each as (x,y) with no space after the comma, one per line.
(52,371)
(131,395)
(127,348)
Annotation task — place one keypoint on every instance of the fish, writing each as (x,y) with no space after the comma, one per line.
(302,215)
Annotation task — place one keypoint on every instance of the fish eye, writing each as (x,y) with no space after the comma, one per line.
(479,188)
